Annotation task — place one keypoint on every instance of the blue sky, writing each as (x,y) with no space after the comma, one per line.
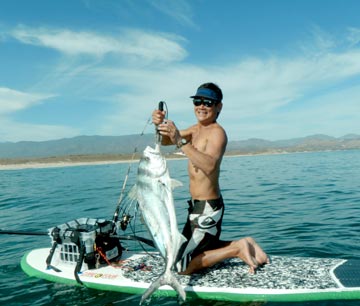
(84,67)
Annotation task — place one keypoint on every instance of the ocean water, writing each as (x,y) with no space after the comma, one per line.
(305,204)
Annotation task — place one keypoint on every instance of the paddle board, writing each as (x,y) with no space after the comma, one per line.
(284,279)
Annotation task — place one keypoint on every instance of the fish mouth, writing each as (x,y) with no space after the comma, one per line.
(152,163)
(150,151)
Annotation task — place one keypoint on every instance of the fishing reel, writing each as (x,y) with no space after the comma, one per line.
(126,218)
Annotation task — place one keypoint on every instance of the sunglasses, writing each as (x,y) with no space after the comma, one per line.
(205,102)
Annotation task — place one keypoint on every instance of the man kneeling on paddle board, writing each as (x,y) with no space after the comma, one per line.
(204,144)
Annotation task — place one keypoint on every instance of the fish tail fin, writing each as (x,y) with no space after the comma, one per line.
(177,287)
(168,278)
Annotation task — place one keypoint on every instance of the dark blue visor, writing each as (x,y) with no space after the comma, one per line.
(207,93)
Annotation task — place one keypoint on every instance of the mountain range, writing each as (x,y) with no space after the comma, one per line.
(125,145)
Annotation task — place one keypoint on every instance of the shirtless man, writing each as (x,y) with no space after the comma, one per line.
(204,144)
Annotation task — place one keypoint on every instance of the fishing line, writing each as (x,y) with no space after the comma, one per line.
(132,227)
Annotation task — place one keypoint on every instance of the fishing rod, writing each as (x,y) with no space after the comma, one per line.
(120,237)
(23,233)
(161,108)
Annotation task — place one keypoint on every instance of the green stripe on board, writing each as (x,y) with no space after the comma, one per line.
(29,270)
(220,296)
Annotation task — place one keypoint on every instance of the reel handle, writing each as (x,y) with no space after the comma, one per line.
(160,108)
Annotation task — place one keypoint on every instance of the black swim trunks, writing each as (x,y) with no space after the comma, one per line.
(202,229)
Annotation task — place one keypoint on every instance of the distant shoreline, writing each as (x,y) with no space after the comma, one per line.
(71,161)
(88,150)
(93,160)
(89,160)
(39,165)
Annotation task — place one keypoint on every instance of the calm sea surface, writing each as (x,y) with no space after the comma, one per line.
(296,204)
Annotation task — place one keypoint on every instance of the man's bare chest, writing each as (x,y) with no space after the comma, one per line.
(200,141)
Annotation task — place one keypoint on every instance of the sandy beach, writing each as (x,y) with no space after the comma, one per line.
(32,165)
(65,161)
(72,161)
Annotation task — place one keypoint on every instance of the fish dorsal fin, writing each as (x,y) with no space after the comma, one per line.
(175,183)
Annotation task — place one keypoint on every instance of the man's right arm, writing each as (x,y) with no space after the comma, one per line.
(170,135)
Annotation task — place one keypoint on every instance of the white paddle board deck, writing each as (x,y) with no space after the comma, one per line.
(285,279)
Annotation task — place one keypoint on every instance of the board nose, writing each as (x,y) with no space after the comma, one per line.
(348,273)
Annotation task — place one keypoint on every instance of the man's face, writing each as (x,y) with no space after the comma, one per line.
(206,110)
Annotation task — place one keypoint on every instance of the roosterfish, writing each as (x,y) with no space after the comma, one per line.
(155,199)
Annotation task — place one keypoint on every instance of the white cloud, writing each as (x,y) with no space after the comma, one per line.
(268,94)
(271,97)
(353,36)
(178,10)
(251,86)
(12,100)
(145,45)
(18,131)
